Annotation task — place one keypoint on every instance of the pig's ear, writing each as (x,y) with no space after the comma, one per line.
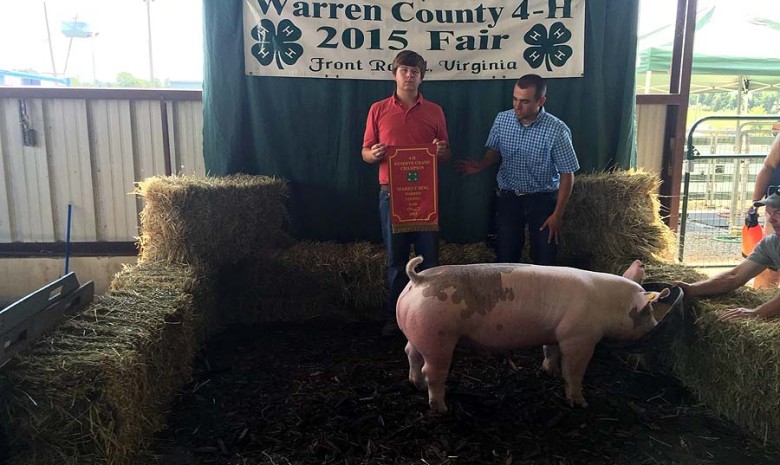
(653,297)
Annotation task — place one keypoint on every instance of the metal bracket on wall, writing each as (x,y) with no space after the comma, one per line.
(29,136)
(25,321)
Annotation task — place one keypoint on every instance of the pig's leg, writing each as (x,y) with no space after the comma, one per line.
(435,370)
(575,356)
(415,366)
(552,359)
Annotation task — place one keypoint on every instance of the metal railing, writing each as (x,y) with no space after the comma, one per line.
(718,187)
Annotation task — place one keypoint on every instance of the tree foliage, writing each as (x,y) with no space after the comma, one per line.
(759,102)
(125,79)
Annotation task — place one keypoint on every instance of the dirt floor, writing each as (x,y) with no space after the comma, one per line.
(335,393)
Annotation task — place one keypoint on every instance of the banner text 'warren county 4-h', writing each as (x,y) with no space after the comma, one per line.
(459,39)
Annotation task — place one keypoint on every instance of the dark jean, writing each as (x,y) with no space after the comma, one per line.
(398,247)
(513,213)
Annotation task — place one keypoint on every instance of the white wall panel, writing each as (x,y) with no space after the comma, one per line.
(27,175)
(148,139)
(187,137)
(650,121)
(90,151)
(6,228)
(113,172)
(71,173)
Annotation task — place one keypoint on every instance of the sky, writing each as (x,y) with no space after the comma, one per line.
(120,42)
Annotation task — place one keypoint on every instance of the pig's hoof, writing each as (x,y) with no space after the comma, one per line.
(420,384)
(550,367)
(579,401)
(438,408)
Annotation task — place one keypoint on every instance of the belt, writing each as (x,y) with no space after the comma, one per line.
(384,188)
(519,193)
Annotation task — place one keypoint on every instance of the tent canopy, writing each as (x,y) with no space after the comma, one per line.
(735,48)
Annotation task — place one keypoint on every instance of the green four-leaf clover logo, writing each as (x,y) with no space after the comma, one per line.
(278,42)
(412,176)
(546,48)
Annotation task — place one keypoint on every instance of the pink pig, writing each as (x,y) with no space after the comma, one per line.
(506,306)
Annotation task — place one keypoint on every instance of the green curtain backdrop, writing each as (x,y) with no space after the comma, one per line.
(309,131)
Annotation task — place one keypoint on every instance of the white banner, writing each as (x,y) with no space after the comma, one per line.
(459,39)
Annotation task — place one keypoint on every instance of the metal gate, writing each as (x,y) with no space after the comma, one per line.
(719,176)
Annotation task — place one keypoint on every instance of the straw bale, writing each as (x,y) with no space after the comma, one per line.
(464,254)
(655,270)
(149,277)
(204,221)
(734,367)
(307,280)
(95,390)
(665,272)
(614,216)
(319,280)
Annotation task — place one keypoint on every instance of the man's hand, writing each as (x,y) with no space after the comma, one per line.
(378,151)
(468,166)
(442,149)
(472,166)
(686,288)
(555,224)
(739,313)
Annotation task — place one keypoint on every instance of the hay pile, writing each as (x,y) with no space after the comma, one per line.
(96,390)
(734,367)
(463,254)
(308,280)
(205,221)
(613,218)
(324,280)
(664,272)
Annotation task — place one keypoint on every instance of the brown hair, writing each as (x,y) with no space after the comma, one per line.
(535,81)
(410,58)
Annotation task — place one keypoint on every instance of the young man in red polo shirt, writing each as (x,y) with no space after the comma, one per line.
(404,118)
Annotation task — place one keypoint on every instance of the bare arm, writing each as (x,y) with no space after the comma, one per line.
(472,166)
(768,309)
(374,154)
(555,221)
(443,152)
(564,193)
(724,282)
(771,162)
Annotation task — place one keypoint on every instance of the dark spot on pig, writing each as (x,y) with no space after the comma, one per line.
(478,286)
(639,316)
(441,333)
(499,327)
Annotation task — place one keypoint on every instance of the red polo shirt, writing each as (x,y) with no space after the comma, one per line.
(391,123)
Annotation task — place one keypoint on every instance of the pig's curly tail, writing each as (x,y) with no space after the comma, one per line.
(410,266)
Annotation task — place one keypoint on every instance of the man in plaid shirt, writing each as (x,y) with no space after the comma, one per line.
(535,176)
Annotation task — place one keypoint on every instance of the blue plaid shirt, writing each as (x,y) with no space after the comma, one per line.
(532,156)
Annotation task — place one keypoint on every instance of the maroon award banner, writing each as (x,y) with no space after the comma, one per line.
(414,188)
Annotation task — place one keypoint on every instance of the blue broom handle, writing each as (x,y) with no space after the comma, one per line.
(67,241)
